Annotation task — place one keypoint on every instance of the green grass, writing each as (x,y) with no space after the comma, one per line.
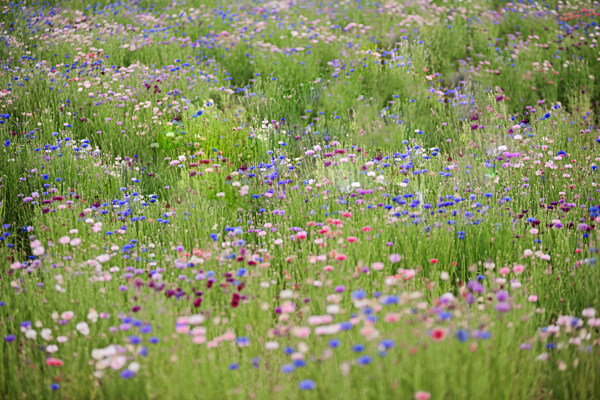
(281,169)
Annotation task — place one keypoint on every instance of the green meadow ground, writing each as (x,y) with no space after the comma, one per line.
(294,199)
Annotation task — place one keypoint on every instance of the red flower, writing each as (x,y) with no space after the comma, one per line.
(438,334)
(433,260)
(198,302)
(54,362)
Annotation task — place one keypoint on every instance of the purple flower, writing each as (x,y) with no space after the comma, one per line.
(127,374)
(502,295)
(503,307)
(476,287)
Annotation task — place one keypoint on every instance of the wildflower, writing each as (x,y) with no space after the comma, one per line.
(307,384)
(54,362)
(83,328)
(395,258)
(288,368)
(588,313)
(462,335)
(364,360)
(378,266)
(52,348)
(438,334)
(421,395)
(46,334)
(127,374)
(358,348)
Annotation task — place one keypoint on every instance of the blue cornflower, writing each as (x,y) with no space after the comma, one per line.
(288,368)
(462,335)
(364,360)
(358,348)
(307,384)
(127,374)
(359,294)
(299,363)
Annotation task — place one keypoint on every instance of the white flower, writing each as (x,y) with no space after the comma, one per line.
(52,348)
(98,354)
(543,357)
(134,367)
(46,334)
(588,312)
(333,309)
(271,345)
(196,319)
(83,328)
(102,258)
(118,362)
(30,334)
(92,315)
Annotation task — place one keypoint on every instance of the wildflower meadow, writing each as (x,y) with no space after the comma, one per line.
(299,199)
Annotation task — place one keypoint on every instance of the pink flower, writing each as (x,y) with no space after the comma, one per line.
(366,229)
(421,395)
(588,313)
(517,269)
(288,307)
(199,339)
(378,266)
(301,331)
(532,298)
(394,258)
(392,317)
(182,329)
(67,315)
